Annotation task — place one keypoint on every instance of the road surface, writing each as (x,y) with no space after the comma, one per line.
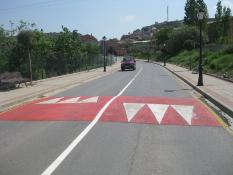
(127,123)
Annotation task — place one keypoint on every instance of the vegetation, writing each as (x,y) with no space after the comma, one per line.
(180,45)
(222,19)
(191,10)
(219,62)
(39,55)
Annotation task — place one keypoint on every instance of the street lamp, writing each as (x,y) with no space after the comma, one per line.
(104,43)
(200,16)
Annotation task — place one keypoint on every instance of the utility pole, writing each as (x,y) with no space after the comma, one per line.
(167,13)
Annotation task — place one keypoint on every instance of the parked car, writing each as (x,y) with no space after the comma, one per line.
(128,63)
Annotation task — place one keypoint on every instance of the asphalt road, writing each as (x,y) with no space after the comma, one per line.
(115,148)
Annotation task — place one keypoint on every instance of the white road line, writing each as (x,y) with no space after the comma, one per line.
(52,167)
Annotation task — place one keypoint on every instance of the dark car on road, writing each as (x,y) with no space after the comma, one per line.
(128,63)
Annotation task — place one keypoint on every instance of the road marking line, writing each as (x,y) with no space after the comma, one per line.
(52,167)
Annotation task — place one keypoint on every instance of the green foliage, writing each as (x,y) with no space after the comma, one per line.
(218,19)
(191,9)
(226,20)
(189,45)
(222,20)
(185,58)
(51,55)
(26,38)
(190,12)
(162,36)
(218,62)
(179,36)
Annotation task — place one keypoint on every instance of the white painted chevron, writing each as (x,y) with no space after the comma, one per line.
(51,101)
(70,100)
(185,111)
(90,100)
(131,109)
(158,110)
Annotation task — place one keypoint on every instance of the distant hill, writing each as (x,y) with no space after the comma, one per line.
(146,32)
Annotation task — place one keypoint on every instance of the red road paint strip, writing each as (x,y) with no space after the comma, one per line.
(116,112)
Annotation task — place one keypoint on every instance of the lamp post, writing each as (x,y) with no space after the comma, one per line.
(104,43)
(200,16)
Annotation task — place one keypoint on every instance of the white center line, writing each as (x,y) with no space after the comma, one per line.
(52,167)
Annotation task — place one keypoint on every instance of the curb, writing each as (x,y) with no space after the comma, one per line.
(207,96)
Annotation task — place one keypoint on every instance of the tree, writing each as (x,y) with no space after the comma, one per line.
(190,12)
(222,20)
(178,39)
(201,5)
(218,19)
(162,36)
(3,56)
(226,20)
(27,40)
(191,9)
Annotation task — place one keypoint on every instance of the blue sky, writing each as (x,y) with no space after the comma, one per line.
(112,18)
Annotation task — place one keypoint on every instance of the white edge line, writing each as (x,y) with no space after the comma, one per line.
(52,167)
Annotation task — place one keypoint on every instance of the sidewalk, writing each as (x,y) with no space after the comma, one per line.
(218,91)
(51,86)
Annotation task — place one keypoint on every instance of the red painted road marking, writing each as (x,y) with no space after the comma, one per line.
(148,110)
(57,109)
(159,110)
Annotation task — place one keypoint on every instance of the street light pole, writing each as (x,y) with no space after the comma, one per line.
(200,77)
(104,43)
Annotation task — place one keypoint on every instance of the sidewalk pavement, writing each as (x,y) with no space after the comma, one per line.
(218,91)
(51,86)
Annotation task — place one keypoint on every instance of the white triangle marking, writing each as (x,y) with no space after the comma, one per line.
(70,100)
(131,109)
(51,101)
(90,100)
(158,110)
(185,111)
